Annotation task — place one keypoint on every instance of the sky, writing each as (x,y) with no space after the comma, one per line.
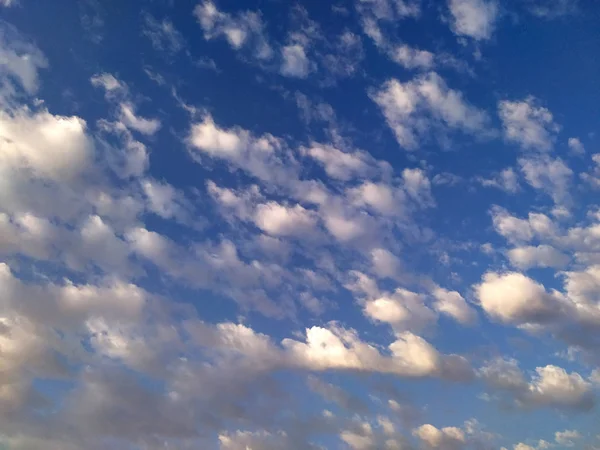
(267,225)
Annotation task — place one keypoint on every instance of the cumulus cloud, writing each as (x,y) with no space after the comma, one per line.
(452,304)
(516,299)
(279,220)
(447,438)
(528,124)
(474,18)
(550,386)
(540,256)
(413,108)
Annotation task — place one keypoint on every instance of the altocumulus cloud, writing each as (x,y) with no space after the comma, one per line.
(367,227)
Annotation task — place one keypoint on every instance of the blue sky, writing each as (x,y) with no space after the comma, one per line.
(258,224)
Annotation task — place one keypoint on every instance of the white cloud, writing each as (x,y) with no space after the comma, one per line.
(447,438)
(576,145)
(550,386)
(295,62)
(111,85)
(553,386)
(474,18)
(380,197)
(426,103)
(412,58)
(550,175)
(403,310)
(385,264)
(166,201)
(567,437)
(507,180)
(343,165)
(281,220)
(516,299)
(527,124)
(517,230)
(48,146)
(262,157)
(21,62)
(244,29)
(141,124)
(452,304)
(540,256)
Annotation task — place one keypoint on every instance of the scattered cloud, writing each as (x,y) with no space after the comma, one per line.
(527,124)
(412,109)
(474,18)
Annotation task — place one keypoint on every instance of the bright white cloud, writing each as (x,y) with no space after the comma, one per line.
(452,304)
(540,256)
(281,220)
(50,147)
(516,299)
(529,125)
(141,124)
(446,438)
(474,18)
(415,108)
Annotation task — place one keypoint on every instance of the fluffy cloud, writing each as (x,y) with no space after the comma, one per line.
(413,107)
(452,304)
(550,175)
(567,437)
(529,125)
(516,299)
(412,58)
(474,18)
(540,256)
(343,165)
(550,386)
(67,150)
(279,220)
(402,310)
(447,438)
(262,157)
